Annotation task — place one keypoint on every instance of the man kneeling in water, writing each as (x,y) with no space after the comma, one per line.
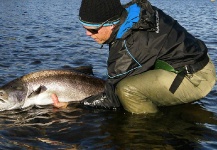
(153,61)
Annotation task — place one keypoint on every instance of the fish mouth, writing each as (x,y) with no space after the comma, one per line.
(2,100)
(7,104)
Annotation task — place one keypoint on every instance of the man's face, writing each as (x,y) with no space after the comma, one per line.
(101,35)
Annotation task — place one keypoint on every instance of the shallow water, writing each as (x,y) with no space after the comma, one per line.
(43,34)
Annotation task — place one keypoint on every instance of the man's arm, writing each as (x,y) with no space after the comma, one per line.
(100,101)
(106,100)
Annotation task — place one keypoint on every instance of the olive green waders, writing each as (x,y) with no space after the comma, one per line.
(144,92)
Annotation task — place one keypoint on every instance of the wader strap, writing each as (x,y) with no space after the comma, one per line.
(177,81)
(181,72)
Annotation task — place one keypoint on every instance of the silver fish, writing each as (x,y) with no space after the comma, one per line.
(36,88)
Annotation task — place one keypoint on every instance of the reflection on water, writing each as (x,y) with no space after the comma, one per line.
(179,127)
(42,34)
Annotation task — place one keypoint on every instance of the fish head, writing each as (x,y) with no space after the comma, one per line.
(12,96)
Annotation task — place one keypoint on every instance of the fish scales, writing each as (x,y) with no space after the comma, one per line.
(36,88)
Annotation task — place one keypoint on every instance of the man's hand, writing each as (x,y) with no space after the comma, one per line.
(57,103)
(100,101)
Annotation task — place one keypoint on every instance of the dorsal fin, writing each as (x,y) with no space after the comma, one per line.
(82,69)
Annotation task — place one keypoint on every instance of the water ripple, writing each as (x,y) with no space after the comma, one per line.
(43,34)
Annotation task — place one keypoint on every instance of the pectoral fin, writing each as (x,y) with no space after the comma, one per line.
(39,90)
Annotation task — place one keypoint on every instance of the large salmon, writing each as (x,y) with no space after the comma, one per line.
(36,88)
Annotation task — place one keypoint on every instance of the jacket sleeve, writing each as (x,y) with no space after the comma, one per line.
(106,99)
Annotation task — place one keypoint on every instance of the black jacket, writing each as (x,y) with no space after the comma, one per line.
(143,35)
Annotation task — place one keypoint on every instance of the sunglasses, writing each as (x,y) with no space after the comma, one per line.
(95,31)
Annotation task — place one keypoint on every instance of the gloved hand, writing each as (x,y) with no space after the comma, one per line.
(99,101)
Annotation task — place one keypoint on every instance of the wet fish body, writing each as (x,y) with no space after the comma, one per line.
(36,88)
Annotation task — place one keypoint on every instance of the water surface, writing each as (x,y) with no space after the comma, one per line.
(44,34)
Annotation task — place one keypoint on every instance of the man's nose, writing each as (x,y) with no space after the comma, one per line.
(88,33)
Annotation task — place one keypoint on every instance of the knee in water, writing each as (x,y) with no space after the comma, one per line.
(123,88)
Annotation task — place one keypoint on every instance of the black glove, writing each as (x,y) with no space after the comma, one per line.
(100,101)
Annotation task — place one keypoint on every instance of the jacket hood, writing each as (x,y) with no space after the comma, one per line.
(138,16)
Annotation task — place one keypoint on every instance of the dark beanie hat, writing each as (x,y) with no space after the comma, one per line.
(99,11)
